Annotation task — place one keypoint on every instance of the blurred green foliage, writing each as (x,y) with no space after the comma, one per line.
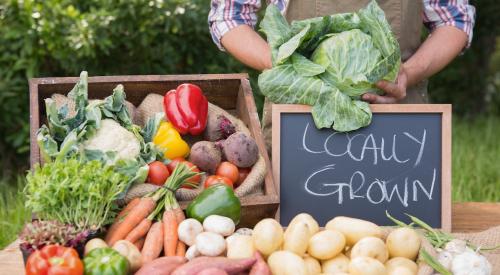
(115,37)
(104,37)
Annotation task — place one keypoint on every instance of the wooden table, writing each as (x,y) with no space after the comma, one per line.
(467,217)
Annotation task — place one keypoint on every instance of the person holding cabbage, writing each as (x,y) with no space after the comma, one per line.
(340,55)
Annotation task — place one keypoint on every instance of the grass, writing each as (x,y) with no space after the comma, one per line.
(476,173)
(13,214)
(476,159)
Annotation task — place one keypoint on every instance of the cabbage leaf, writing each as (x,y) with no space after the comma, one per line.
(329,62)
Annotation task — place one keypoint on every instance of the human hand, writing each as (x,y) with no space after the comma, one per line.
(393,91)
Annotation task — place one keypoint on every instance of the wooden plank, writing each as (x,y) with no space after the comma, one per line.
(444,109)
(475,216)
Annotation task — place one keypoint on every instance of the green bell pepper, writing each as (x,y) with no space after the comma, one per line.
(105,261)
(218,199)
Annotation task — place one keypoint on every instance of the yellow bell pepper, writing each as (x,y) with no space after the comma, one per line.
(170,141)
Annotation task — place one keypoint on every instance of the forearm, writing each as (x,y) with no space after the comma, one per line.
(438,50)
(248,47)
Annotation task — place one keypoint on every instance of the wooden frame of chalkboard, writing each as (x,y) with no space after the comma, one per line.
(444,110)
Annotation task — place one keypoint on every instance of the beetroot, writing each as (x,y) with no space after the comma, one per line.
(206,155)
(218,127)
(240,149)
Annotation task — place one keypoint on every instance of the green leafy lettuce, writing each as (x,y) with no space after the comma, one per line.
(76,192)
(329,62)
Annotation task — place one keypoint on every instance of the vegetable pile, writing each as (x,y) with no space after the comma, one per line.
(93,153)
(329,62)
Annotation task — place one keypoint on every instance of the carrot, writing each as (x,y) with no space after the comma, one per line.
(119,218)
(153,243)
(136,215)
(181,247)
(140,243)
(170,233)
(139,231)
(180,250)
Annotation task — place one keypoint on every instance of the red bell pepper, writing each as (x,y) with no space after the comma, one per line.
(186,108)
(54,259)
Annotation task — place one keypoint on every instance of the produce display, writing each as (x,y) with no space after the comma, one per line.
(329,62)
(93,155)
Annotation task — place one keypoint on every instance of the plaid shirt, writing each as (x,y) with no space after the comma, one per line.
(227,14)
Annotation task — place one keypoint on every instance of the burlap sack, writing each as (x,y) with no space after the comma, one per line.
(253,184)
(487,238)
(62,100)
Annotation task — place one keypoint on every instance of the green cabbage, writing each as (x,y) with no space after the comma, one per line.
(329,62)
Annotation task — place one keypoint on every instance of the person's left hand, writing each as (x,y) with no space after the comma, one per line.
(393,91)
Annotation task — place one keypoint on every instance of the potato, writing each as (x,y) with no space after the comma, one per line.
(267,236)
(312,224)
(286,263)
(354,229)
(296,238)
(93,244)
(366,266)
(326,244)
(394,263)
(370,247)
(240,247)
(403,242)
(336,265)
(129,251)
(401,270)
(313,266)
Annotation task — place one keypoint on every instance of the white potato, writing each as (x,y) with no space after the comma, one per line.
(286,263)
(210,244)
(370,247)
(313,266)
(296,238)
(392,264)
(312,224)
(131,252)
(188,229)
(336,265)
(93,244)
(354,229)
(192,252)
(326,244)
(400,270)
(219,224)
(403,242)
(366,266)
(240,247)
(267,236)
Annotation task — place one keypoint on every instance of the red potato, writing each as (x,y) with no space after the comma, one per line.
(212,271)
(161,266)
(231,266)
(260,267)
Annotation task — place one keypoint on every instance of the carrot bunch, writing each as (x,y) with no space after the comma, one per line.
(136,222)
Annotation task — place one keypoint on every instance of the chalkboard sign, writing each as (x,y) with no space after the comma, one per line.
(400,163)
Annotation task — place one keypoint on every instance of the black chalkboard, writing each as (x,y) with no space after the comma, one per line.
(394,164)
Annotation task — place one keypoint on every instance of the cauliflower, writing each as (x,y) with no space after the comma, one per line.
(111,136)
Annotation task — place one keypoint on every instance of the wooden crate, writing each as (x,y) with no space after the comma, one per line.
(228,91)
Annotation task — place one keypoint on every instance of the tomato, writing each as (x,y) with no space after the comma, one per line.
(195,179)
(214,179)
(173,163)
(54,259)
(243,175)
(228,170)
(158,173)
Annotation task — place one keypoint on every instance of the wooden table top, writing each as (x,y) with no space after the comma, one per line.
(466,217)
